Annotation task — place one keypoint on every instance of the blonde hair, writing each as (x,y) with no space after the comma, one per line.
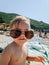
(19,19)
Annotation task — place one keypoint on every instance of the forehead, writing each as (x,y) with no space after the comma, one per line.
(22,26)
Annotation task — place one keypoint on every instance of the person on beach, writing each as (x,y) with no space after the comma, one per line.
(45,35)
(16,53)
(40,33)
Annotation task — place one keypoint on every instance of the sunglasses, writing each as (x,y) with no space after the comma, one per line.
(16,33)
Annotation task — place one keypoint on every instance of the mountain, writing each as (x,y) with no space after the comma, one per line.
(6,17)
(39,24)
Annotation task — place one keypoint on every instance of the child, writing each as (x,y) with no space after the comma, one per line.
(14,53)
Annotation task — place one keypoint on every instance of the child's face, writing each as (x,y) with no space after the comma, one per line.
(21,39)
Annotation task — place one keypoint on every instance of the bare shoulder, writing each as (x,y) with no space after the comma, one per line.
(8,49)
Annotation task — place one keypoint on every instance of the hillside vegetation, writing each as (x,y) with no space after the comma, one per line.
(6,17)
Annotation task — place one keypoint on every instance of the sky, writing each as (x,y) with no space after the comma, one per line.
(34,9)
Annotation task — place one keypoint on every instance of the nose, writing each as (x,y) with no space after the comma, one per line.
(23,34)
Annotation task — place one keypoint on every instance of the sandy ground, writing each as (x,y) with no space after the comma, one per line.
(5,40)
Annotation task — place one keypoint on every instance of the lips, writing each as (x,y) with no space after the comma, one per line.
(22,39)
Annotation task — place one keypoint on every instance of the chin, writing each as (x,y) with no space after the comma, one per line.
(22,42)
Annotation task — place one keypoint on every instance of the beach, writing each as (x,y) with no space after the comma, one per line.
(5,40)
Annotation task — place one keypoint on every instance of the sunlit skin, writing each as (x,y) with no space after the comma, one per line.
(16,52)
(21,39)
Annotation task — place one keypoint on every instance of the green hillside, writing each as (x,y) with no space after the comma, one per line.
(39,24)
(6,17)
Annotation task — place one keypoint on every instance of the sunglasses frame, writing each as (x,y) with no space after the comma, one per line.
(15,33)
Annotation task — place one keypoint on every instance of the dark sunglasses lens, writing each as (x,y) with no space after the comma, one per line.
(29,34)
(15,33)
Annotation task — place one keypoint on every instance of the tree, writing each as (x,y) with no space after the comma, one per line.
(1,20)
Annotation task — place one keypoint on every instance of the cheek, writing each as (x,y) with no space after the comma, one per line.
(15,40)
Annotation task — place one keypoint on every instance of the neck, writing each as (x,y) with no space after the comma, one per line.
(20,46)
